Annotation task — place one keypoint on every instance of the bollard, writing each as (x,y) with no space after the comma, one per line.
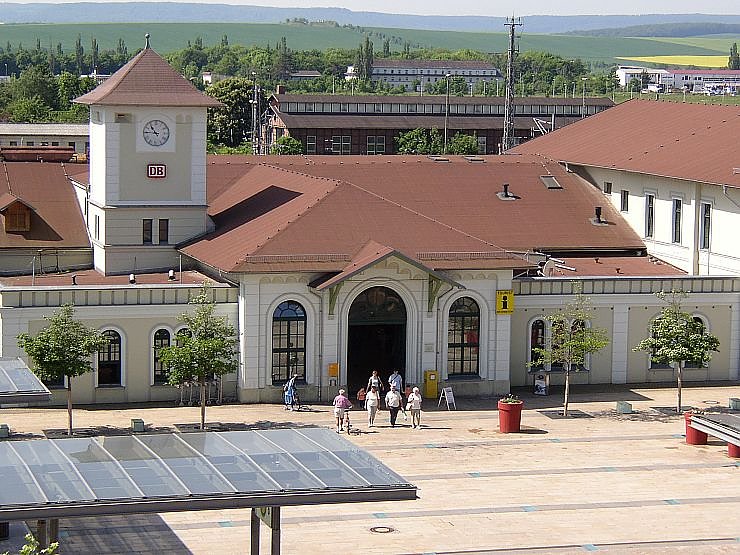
(693,436)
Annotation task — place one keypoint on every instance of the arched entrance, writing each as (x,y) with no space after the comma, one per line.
(377,336)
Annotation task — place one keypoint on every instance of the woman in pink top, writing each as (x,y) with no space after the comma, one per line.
(341,404)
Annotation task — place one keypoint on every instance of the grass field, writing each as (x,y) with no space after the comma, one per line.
(167,37)
(699,61)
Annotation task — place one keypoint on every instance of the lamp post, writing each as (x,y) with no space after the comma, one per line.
(583,98)
(447,109)
(253,102)
(6,70)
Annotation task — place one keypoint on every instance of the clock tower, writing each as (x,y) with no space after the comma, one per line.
(147,166)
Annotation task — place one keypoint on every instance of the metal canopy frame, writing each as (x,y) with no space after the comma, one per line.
(64,478)
(19,385)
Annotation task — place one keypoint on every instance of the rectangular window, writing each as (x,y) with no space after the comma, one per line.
(29,143)
(13,143)
(71,143)
(677,206)
(146,231)
(371,144)
(380,144)
(706,224)
(164,231)
(97,227)
(482,145)
(649,215)
(625,205)
(341,144)
(607,188)
(311,144)
(54,143)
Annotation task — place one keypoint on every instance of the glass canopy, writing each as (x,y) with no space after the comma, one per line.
(18,384)
(203,470)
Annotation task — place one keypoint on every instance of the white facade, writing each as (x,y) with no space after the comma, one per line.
(692,224)
(625,74)
(73,135)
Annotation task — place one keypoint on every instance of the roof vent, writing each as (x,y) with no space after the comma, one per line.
(439,158)
(475,159)
(505,194)
(597,220)
(550,182)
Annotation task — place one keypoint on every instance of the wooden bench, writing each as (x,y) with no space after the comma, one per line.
(722,426)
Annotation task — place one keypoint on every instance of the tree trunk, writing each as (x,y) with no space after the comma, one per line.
(202,404)
(567,389)
(679,376)
(69,406)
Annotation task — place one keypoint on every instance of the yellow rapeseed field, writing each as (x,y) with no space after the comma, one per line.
(699,61)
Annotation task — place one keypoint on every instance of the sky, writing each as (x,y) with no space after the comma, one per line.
(498,7)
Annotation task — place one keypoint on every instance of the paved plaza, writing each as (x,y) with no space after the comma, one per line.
(597,481)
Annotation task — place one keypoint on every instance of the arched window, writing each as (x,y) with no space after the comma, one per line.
(109,360)
(536,341)
(463,331)
(698,363)
(288,341)
(161,339)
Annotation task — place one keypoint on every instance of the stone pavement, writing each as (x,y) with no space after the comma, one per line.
(595,482)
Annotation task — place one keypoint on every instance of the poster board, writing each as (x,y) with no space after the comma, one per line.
(448,396)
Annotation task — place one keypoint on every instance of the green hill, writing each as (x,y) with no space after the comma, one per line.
(167,37)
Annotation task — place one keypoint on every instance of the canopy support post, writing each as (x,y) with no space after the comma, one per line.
(254,526)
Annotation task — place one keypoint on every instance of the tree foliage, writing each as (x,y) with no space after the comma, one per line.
(733,61)
(287,145)
(420,141)
(675,337)
(32,547)
(231,124)
(62,349)
(572,340)
(463,144)
(205,351)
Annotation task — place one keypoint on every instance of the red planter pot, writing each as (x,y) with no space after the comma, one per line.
(509,417)
(693,437)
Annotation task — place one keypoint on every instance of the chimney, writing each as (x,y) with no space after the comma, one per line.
(171,275)
(74,279)
(598,214)
(506,190)
(131,278)
(280,89)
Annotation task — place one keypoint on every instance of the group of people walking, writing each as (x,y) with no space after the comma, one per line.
(372,396)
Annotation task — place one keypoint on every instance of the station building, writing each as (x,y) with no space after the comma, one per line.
(329,267)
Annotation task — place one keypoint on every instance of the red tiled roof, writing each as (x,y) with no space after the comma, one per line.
(406,121)
(294,213)
(56,220)
(432,64)
(439,99)
(695,142)
(92,277)
(147,80)
(634,266)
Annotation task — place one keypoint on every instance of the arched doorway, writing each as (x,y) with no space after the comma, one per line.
(377,336)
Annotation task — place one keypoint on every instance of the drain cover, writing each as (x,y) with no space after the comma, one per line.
(382,529)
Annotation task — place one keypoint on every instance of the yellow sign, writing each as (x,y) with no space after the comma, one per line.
(334,370)
(504,301)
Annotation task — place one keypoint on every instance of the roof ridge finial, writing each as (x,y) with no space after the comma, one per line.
(147,41)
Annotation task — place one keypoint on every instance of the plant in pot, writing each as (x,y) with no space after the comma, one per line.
(510,414)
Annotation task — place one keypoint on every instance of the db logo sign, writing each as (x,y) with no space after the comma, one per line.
(156,171)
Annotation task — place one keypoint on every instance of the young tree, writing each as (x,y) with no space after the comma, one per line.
(420,141)
(230,124)
(734,60)
(62,349)
(571,339)
(675,337)
(463,144)
(205,351)
(286,145)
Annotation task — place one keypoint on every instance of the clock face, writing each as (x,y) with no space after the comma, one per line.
(156,132)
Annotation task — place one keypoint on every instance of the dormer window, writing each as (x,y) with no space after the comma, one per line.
(17,218)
